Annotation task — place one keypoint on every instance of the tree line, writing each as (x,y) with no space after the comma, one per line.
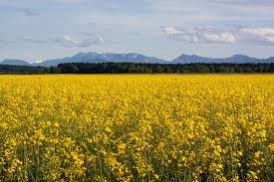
(92,68)
(11,69)
(86,68)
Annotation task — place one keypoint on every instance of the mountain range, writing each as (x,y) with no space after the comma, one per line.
(94,57)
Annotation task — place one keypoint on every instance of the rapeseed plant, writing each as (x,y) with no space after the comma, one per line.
(137,128)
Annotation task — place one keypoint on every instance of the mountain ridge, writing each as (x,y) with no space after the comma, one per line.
(16,62)
(235,59)
(94,57)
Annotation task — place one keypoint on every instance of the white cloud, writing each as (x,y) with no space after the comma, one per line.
(68,41)
(261,34)
(67,1)
(30,39)
(29,12)
(171,31)
(257,35)
(199,35)
(244,3)
(223,37)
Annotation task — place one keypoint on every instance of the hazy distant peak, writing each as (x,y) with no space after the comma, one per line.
(15,62)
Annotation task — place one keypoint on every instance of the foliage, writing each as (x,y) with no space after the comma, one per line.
(11,69)
(137,128)
(164,68)
(87,68)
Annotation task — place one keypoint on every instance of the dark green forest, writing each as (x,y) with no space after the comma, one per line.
(11,69)
(88,68)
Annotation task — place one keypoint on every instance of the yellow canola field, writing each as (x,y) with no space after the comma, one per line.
(137,128)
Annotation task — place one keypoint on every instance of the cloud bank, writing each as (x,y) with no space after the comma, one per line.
(260,35)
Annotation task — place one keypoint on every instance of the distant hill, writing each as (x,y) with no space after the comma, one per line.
(236,59)
(93,57)
(16,62)
(270,60)
(186,59)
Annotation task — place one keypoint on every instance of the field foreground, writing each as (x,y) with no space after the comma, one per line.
(137,128)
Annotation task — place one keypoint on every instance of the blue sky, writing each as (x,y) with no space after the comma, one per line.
(35,30)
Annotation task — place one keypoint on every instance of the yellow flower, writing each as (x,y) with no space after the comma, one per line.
(108,130)
(216,167)
(271,147)
(121,148)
